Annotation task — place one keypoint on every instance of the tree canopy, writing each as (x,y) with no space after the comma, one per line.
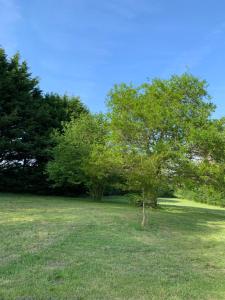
(157,136)
(157,126)
(84,155)
(27,119)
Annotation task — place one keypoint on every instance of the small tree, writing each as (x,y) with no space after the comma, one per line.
(83,154)
(154,125)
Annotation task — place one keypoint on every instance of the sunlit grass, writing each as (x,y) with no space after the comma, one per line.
(65,248)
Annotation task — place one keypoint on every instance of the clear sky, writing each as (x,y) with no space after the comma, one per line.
(84,47)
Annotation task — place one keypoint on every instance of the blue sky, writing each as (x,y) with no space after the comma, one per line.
(84,47)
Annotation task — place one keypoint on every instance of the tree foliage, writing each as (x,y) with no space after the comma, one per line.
(27,119)
(156,137)
(209,181)
(84,155)
(156,125)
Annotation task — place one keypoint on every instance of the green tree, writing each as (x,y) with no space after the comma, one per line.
(154,125)
(84,155)
(27,119)
(208,147)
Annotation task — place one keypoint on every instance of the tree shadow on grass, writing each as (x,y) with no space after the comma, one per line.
(188,220)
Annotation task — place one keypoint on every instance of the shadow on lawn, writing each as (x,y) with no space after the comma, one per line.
(169,200)
(188,221)
(172,214)
(195,210)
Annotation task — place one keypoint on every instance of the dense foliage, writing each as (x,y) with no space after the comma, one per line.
(156,137)
(27,119)
(159,127)
(84,155)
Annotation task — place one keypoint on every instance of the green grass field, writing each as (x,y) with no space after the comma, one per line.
(65,248)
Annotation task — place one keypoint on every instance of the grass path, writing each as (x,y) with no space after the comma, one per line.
(63,248)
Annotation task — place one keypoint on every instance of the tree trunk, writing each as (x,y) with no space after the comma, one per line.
(153,203)
(143,223)
(96,192)
(152,198)
(144,216)
(149,199)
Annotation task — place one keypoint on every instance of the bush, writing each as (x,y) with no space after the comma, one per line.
(205,194)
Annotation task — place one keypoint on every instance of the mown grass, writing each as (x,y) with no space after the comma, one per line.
(64,248)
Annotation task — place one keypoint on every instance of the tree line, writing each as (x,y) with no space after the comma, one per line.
(159,136)
(27,119)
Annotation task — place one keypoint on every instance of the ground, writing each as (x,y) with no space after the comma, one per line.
(68,248)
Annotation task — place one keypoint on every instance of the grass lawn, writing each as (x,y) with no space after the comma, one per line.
(64,248)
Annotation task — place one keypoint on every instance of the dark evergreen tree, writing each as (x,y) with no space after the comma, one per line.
(27,119)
